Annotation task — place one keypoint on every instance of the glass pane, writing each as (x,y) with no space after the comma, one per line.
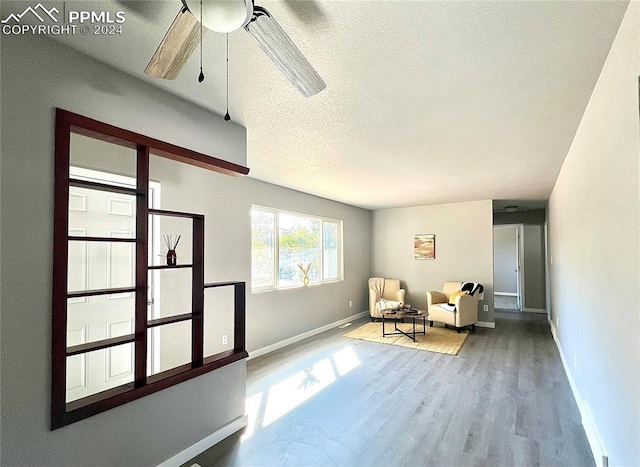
(170,346)
(299,252)
(262,248)
(218,320)
(117,161)
(330,250)
(97,371)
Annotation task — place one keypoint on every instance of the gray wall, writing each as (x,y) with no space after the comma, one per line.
(281,314)
(505,260)
(39,75)
(464,248)
(226,203)
(533,259)
(594,245)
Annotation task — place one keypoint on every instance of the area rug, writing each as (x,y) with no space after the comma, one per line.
(438,339)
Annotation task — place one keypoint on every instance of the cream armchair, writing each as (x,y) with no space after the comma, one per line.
(384,293)
(466,307)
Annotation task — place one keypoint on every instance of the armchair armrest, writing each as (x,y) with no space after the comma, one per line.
(400,296)
(372,302)
(467,310)
(434,297)
(466,303)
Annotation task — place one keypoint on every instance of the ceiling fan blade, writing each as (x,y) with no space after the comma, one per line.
(284,53)
(176,46)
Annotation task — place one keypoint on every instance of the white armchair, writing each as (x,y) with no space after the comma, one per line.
(465,311)
(384,293)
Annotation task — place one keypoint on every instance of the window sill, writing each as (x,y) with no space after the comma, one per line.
(259,290)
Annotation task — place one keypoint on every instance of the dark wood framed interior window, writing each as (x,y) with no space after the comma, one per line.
(66,410)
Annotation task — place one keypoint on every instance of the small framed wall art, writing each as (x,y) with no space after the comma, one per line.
(424,246)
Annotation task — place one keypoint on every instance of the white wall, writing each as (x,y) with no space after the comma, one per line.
(464,248)
(37,76)
(594,245)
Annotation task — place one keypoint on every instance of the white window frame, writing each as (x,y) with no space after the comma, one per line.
(276,250)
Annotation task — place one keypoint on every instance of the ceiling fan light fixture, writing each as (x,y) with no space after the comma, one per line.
(222,15)
(284,53)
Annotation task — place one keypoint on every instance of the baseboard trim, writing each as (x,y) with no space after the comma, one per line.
(589,425)
(486,324)
(304,335)
(535,310)
(204,444)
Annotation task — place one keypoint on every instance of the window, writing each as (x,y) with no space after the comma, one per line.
(286,247)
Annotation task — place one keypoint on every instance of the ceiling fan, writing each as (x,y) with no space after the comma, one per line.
(226,16)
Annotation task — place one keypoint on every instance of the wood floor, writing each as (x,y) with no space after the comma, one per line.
(330,400)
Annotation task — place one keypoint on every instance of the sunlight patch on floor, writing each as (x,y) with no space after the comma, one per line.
(346,360)
(252,408)
(294,390)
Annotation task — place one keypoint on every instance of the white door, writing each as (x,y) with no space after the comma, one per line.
(100,265)
(506,267)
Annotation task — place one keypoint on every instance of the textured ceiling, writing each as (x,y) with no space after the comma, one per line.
(426,101)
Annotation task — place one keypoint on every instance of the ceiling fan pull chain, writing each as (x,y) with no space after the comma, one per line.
(227,117)
(201,76)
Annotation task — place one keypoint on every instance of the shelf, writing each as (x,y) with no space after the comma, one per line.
(162,212)
(63,413)
(102,187)
(211,285)
(99,345)
(102,239)
(92,293)
(168,320)
(177,266)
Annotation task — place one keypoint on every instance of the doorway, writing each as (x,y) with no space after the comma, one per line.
(507,267)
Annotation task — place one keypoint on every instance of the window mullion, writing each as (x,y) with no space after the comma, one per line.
(321,266)
(276,249)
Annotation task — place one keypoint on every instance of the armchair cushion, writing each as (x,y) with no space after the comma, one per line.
(452,297)
(384,304)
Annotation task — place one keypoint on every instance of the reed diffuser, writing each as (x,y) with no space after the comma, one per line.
(172,258)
